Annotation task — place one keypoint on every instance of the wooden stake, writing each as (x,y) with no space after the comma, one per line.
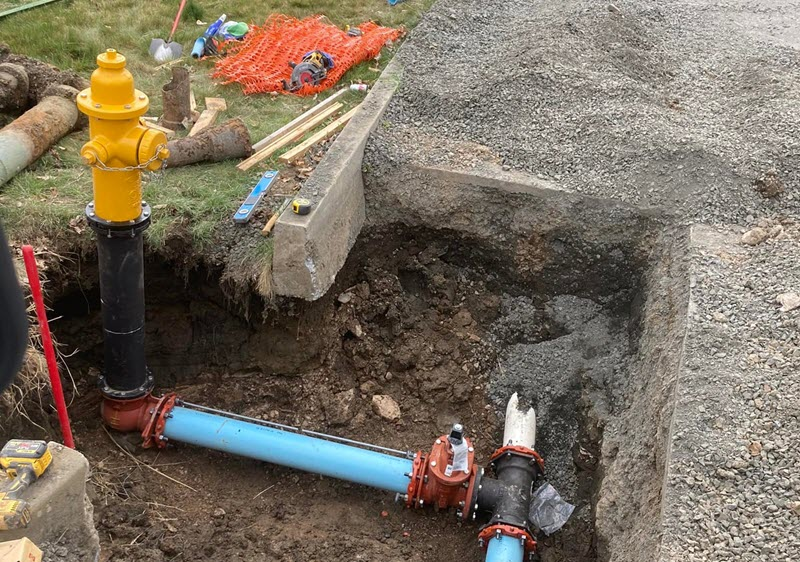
(176,96)
(214,106)
(151,125)
(300,150)
(289,138)
(275,216)
(305,117)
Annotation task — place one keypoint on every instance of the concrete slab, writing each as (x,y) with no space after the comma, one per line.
(310,249)
(61,514)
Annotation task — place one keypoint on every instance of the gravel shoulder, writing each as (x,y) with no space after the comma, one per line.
(733,480)
(682,105)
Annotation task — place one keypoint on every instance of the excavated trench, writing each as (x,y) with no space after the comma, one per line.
(449,325)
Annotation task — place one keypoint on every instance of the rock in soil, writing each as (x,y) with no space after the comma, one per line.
(339,408)
(754,236)
(386,407)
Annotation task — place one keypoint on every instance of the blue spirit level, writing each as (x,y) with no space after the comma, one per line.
(246,210)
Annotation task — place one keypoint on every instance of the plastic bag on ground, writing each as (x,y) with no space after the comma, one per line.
(548,512)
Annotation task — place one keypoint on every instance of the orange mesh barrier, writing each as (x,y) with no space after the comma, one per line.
(261,61)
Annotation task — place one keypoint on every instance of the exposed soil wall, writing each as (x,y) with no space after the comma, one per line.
(603,381)
(636,425)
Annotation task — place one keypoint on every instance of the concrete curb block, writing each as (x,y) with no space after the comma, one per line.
(310,249)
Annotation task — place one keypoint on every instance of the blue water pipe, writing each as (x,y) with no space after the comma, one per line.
(505,549)
(287,448)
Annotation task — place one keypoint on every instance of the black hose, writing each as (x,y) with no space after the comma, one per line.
(14,325)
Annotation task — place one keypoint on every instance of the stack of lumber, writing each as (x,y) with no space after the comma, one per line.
(297,129)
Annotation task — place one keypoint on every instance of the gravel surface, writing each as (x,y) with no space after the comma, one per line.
(683,105)
(734,482)
(690,110)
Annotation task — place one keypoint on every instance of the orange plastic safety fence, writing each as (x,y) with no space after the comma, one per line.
(261,61)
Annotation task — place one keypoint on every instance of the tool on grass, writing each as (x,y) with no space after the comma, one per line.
(312,69)
(164,51)
(301,206)
(205,45)
(245,212)
(24,462)
(353,31)
(275,216)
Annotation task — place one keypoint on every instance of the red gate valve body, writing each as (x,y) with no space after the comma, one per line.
(435,482)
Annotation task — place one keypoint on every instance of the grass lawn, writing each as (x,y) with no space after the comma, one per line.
(200,198)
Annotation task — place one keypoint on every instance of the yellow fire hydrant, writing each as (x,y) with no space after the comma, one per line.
(120,146)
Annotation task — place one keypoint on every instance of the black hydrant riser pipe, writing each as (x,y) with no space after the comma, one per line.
(121,264)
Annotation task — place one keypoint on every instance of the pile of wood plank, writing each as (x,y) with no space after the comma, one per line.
(297,129)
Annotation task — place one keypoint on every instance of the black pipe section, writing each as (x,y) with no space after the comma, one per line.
(508,496)
(517,474)
(120,256)
(490,490)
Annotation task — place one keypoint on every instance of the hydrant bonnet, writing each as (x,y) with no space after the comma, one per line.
(112,94)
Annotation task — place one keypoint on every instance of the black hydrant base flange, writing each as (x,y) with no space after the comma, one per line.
(110,229)
(115,394)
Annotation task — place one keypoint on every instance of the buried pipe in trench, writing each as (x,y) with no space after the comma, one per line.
(277,446)
(446,477)
(435,478)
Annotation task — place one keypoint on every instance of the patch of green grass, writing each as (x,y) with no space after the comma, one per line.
(71,33)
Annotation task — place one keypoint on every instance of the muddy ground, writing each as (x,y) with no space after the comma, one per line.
(420,317)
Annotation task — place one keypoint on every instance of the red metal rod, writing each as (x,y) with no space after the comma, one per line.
(47,344)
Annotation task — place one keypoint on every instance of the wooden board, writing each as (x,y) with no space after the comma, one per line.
(169,132)
(298,151)
(305,117)
(20,550)
(216,103)
(288,138)
(25,7)
(214,106)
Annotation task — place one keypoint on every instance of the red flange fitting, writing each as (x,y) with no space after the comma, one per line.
(127,415)
(147,414)
(495,531)
(518,450)
(434,482)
